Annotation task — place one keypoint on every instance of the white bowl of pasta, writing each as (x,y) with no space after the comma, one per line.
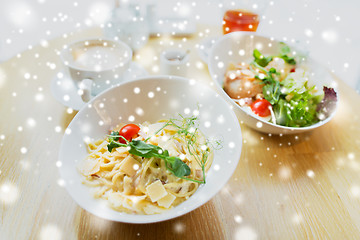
(274,88)
(150,150)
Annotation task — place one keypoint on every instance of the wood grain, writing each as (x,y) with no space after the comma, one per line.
(304,186)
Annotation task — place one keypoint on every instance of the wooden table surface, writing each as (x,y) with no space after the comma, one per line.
(304,186)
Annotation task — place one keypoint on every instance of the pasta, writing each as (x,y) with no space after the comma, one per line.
(139,185)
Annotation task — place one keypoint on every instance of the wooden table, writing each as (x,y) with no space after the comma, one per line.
(304,186)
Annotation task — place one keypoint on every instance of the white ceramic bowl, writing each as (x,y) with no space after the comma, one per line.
(238,47)
(151,99)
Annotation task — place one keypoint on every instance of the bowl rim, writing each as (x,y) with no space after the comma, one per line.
(254,34)
(142,219)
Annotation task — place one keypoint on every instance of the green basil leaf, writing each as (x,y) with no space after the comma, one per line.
(180,169)
(114,136)
(142,149)
(261,59)
(113,145)
(272,70)
(166,153)
(289,60)
(284,49)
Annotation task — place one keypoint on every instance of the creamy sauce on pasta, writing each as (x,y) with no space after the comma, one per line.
(138,185)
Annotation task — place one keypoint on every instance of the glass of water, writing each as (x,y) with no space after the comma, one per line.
(128,24)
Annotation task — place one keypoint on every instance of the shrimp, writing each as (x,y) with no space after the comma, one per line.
(241,83)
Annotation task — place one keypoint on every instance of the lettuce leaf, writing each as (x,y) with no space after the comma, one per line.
(327,104)
(297,111)
(284,51)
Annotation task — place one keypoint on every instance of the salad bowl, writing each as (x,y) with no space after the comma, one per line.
(239,48)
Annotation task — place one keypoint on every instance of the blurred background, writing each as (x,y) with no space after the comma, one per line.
(325,28)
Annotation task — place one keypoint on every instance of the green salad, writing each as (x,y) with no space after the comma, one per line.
(277,89)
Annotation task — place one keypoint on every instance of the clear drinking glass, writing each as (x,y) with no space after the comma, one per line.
(128,24)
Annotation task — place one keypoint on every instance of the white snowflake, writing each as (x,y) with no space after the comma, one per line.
(245,233)
(23,150)
(310,173)
(9,193)
(50,231)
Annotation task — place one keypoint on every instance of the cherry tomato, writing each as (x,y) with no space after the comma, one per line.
(292,70)
(261,107)
(129,131)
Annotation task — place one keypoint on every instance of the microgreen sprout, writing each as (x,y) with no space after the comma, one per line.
(187,129)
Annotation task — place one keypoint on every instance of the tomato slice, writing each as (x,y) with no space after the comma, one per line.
(261,107)
(129,131)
